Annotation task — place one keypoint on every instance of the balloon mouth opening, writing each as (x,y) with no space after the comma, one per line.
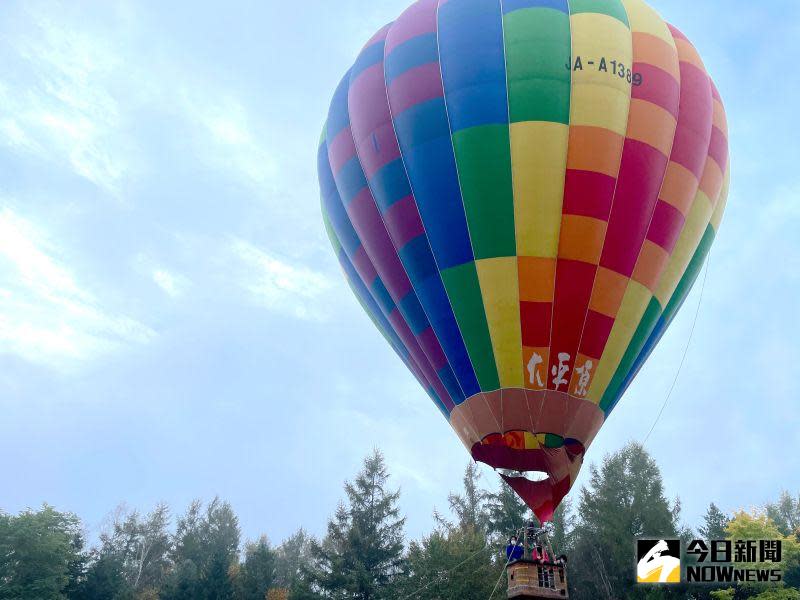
(532,476)
(532,454)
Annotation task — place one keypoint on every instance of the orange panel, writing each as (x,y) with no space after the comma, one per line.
(689,54)
(652,125)
(652,260)
(582,238)
(594,149)
(679,187)
(609,289)
(536,279)
(711,184)
(652,50)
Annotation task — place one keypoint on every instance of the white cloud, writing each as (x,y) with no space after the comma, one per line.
(59,106)
(45,316)
(77,93)
(227,139)
(279,285)
(172,284)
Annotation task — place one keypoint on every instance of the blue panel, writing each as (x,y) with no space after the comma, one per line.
(372,306)
(472,56)
(421,123)
(390,184)
(341,223)
(512,5)
(338,119)
(382,296)
(350,180)
(418,51)
(418,260)
(451,385)
(372,55)
(439,404)
(412,312)
(432,294)
(428,153)
(327,185)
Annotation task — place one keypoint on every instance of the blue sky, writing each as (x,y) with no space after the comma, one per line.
(173,324)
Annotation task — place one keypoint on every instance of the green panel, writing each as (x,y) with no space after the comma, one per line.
(464,291)
(612,8)
(538,49)
(337,246)
(673,306)
(484,167)
(553,441)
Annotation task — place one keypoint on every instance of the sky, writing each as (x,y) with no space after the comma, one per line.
(174,325)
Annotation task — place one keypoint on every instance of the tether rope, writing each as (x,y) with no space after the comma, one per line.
(685,352)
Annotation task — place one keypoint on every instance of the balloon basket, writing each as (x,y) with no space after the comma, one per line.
(535,579)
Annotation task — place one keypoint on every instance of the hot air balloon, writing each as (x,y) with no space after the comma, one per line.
(521,194)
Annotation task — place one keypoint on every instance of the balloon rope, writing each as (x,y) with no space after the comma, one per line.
(503,572)
(685,352)
(442,575)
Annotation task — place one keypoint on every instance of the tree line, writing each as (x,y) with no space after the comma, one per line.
(365,555)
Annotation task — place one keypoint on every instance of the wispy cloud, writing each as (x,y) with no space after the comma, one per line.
(45,315)
(227,138)
(280,285)
(59,106)
(173,285)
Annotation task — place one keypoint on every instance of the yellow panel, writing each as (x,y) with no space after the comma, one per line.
(634,304)
(688,241)
(600,106)
(646,20)
(531,441)
(539,159)
(599,98)
(716,218)
(500,288)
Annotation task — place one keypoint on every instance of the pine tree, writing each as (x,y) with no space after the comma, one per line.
(454,563)
(715,524)
(256,574)
(786,513)
(361,555)
(471,506)
(623,500)
(507,513)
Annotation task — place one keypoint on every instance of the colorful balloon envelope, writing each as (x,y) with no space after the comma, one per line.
(521,194)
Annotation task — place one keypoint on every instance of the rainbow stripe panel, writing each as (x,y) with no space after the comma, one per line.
(521,194)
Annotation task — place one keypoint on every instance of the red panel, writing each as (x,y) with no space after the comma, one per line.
(588,194)
(694,120)
(658,87)
(535,323)
(403,221)
(432,349)
(639,184)
(595,334)
(364,266)
(666,226)
(574,281)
